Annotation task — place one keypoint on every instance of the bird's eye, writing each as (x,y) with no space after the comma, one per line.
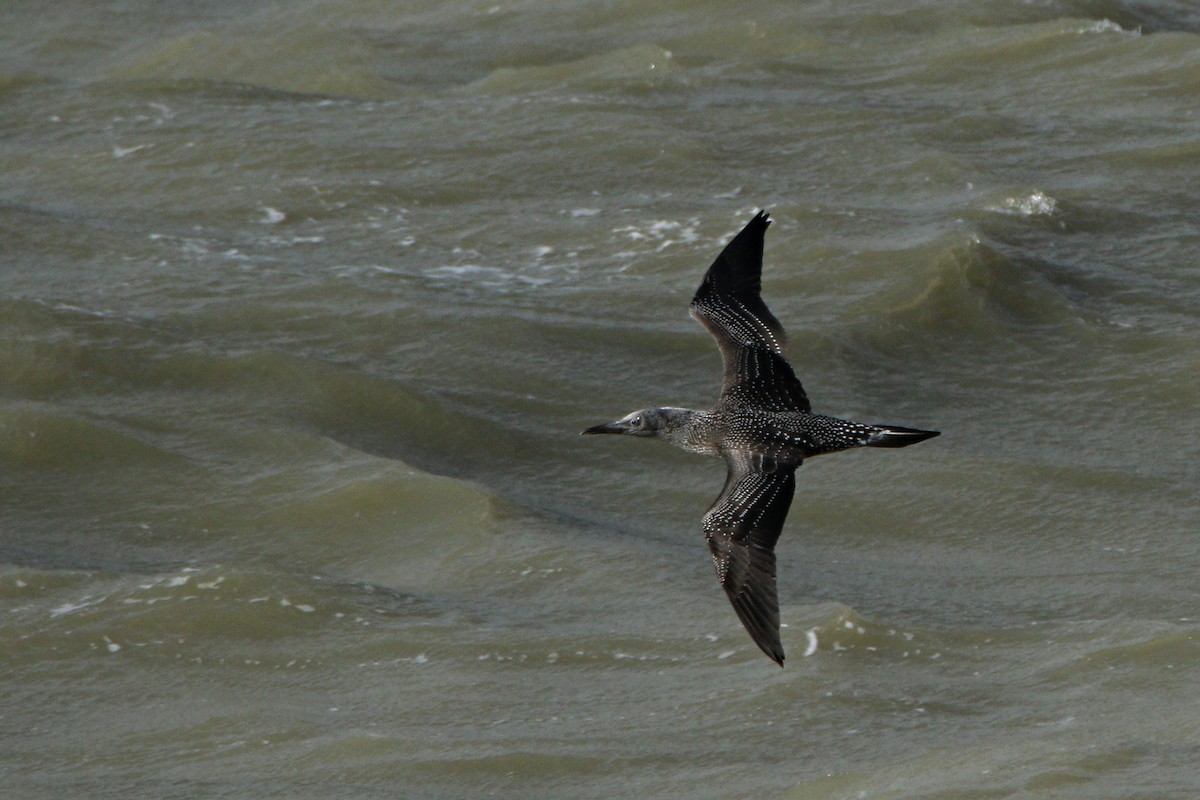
(636,422)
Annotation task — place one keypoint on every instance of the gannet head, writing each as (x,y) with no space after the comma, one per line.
(646,422)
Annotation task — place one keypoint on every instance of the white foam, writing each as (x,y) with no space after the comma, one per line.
(481,276)
(121,152)
(468,271)
(288,241)
(1108,26)
(68,608)
(79,310)
(1035,204)
(273,216)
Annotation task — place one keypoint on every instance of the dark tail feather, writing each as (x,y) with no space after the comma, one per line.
(895,436)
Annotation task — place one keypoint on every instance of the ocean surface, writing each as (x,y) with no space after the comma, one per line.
(303,306)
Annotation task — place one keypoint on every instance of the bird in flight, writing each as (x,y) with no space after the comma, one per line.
(762,426)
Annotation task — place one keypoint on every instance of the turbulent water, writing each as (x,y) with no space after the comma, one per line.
(303,305)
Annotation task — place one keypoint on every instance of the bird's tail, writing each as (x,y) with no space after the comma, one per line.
(895,436)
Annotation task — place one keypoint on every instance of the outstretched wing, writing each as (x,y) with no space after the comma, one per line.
(752,342)
(741,528)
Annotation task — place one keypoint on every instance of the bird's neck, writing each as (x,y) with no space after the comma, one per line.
(688,429)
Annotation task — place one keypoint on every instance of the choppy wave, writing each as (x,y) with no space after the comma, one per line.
(15,81)
(308,60)
(644,66)
(38,436)
(261,617)
(969,289)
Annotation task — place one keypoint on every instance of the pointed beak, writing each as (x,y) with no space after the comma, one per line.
(608,427)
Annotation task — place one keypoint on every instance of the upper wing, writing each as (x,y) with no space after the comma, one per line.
(741,528)
(752,342)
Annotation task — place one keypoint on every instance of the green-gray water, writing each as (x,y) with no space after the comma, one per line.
(303,305)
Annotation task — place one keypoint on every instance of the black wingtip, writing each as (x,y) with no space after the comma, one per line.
(755,228)
(774,650)
(738,268)
(770,649)
(759,612)
(760,221)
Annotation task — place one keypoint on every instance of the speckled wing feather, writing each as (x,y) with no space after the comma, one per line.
(752,342)
(741,528)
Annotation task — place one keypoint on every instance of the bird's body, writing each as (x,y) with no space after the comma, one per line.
(787,437)
(762,426)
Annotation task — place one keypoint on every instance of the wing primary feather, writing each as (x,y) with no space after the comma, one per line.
(753,344)
(741,529)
